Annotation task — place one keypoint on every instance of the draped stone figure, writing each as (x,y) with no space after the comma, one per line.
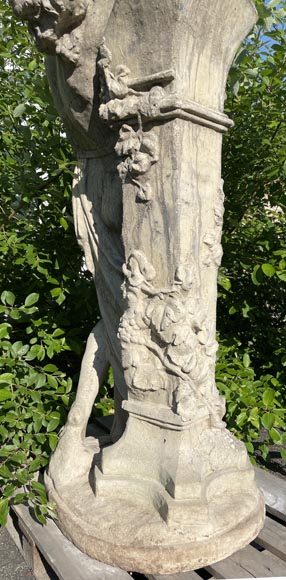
(140,87)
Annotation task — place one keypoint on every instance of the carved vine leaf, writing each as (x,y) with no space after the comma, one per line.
(143,371)
(167,341)
(186,402)
(163,315)
(138,271)
(145,379)
(138,151)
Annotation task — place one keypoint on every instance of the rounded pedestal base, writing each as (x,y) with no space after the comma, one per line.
(131,534)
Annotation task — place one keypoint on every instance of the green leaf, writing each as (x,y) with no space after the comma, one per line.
(18,457)
(53,441)
(9,490)
(52,381)
(8,297)
(19,349)
(4,330)
(246,360)
(283,454)
(268,270)
(50,368)
(249,447)
(268,420)
(5,472)
(4,510)
(39,515)
(224,282)
(22,476)
(58,332)
(55,292)
(275,436)
(37,422)
(38,487)
(264,451)
(53,424)
(268,397)
(241,418)
(5,395)
(15,314)
(19,110)
(40,381)
(32,299)
(35,352)
(263,11)
(36,464)
(255,421)
(257,276)
(7,378)
(64,223)
(20,498)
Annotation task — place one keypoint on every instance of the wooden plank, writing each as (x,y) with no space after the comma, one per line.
(259,564)
(273,538)
(182,576)
(249,563)
(62,556)
(228,568)
(274,489)
(28,549)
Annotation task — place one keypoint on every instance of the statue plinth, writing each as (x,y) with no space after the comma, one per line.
(140,86)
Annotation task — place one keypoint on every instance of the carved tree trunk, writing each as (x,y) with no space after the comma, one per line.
(140,85)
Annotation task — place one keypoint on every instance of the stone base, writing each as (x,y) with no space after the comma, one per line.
(126,524)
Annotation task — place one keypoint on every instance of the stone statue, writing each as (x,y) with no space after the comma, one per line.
(140,87)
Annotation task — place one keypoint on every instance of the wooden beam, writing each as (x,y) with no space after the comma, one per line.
(183,576)
(259,564)
(274,489)
(63,557)
(273,538)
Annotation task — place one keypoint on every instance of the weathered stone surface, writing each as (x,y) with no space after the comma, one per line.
(140,85)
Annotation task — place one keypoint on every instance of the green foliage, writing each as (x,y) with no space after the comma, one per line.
(48,304)
(252,282)
(253,404)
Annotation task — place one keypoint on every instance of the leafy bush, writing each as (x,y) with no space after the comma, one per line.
(252,281)
(253,404)
(48,303)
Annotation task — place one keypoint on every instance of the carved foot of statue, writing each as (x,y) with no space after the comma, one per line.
(73,456)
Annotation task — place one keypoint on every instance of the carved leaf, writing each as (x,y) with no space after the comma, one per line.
(138,269)
(163,314)
(141,163)
(148,378)
(128,142)
(184,355)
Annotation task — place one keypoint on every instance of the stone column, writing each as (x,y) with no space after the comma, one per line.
(140,85)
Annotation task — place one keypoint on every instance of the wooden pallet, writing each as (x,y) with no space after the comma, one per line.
(51,556)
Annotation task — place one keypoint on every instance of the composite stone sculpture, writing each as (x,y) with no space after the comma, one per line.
(140,87)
